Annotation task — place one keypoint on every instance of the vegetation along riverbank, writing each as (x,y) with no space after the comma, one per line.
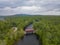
(47,29)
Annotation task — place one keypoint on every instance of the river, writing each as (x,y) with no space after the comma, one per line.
(29,39)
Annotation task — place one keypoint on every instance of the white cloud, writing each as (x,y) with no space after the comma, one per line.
(7,8)
(7,0)
(22,9)
(51,13)
(30,7)
(26,8)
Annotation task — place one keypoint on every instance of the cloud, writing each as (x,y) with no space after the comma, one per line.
(10,7)
(21,9)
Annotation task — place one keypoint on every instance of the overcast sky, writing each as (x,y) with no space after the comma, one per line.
(44,7)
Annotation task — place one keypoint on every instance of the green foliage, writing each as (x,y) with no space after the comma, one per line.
(49,30)
(8,35)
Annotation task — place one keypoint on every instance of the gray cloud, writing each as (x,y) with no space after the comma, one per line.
(9,7)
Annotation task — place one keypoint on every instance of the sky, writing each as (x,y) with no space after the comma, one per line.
(39,7)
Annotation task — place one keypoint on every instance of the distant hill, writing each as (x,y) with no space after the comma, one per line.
(21,14)
(16,15)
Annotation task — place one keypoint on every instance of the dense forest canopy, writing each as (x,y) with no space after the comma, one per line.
(48,28)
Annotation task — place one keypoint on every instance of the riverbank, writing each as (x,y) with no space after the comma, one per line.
(29,38)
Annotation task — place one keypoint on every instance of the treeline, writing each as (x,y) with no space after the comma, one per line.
(8,32)
(48,30)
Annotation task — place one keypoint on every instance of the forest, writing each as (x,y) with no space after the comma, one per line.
(47,28)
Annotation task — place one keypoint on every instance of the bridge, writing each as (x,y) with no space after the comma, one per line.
(29,37)
(29,30)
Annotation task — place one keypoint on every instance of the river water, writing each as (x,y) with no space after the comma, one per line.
(29,39)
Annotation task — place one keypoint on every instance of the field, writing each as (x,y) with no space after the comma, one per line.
(47,28)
